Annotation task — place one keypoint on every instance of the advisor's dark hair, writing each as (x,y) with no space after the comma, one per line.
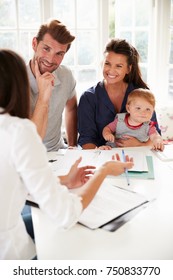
(14,85)
(121,46)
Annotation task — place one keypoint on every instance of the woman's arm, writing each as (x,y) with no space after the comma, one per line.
(80,176)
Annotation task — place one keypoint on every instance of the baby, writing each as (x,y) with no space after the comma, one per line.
(137,121)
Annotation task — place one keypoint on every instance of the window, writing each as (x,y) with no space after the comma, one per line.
(171,53)
(18,24)
(86,24)
(133,23)
(147,24)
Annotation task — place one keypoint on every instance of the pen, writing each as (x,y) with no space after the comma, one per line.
(52,160)
(125,169)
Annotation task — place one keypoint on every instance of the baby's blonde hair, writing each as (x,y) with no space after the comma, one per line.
(142,93)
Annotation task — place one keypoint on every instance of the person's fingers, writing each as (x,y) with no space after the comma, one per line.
(88,172)
(37,71)
(88,167)
(128,164)
(116,157)
(104,147)
(76,163)
(129,158)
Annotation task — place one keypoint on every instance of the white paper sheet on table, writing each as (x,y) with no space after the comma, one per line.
(166,154)
(109,203)
(96,158)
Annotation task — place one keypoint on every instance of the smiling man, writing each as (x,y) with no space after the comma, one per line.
(53,86)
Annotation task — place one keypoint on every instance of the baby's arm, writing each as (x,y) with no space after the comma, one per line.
(157,141)
(107,134)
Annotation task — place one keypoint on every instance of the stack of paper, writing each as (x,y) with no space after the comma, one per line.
(143,165)
(109,203)
(97,158)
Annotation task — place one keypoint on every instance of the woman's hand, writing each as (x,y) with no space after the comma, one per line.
(114,168)
(103,147)
(117,157)
(77,176)
(117,167)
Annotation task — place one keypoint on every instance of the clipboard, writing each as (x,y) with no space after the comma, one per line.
(144,174)
(32,203)
(124,218)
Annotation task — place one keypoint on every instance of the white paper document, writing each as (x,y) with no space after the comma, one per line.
(97,158)
(109,203)
(167,154)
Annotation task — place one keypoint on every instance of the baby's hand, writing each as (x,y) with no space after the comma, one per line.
(158,145)
(109,137)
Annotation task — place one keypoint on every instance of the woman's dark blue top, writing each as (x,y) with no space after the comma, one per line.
(95,111)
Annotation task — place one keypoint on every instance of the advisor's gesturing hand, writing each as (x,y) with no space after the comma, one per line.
(77,176)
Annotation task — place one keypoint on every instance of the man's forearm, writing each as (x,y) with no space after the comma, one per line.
(71,128)
(40,118)
(72,135)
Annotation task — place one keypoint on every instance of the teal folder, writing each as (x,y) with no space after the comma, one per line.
(145,174)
